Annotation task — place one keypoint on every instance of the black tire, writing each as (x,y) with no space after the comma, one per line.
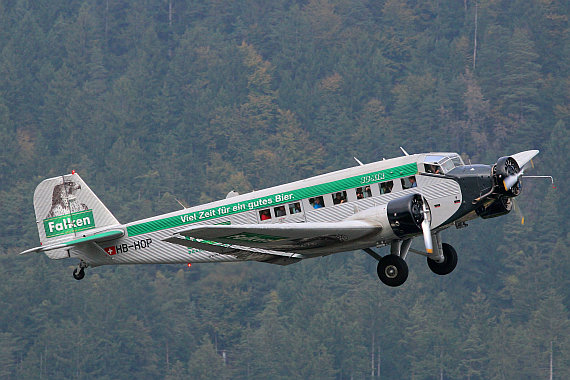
(78,274)
(392,270)
(449,263)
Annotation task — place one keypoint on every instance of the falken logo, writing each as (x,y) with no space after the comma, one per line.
(66,224)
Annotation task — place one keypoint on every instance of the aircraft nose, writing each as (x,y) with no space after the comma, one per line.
(475,180)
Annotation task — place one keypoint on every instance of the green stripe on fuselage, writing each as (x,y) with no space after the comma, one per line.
(272,200)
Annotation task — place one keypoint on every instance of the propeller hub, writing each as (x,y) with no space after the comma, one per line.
(506,175)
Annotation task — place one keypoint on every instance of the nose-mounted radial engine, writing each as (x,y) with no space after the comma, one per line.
(506,175)
(506,184)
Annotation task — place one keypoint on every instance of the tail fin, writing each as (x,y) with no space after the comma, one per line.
(65,206)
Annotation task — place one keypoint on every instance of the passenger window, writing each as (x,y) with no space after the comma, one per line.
(279,211)
(339,197)
(317,202)
(386,187)
(294,208)
(264,214)
(409,182)
(363,192)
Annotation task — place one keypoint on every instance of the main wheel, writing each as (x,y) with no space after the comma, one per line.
(392,270)
(449,261)
(78,274)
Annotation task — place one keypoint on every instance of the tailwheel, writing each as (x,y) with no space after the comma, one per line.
(449,261)
(78,273)
(392,270)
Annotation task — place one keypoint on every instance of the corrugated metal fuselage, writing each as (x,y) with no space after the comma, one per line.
(362,187)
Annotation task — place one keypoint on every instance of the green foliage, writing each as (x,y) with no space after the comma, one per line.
(154,102)
(205,363)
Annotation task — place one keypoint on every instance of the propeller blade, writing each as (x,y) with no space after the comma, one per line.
(428,243)
(518,210)
(523,158)
(427,236)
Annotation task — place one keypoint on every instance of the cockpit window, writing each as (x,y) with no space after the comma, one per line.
(447,165)
(457,161)
(434,159)
(441,164)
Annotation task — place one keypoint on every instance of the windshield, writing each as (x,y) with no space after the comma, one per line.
(447,165)
(457,161)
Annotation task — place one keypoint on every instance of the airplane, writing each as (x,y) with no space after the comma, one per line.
(365,207)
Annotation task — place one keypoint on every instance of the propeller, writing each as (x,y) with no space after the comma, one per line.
(523,161)
(509,170)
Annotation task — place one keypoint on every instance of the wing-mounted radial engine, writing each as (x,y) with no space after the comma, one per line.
(407,216)
(402,219)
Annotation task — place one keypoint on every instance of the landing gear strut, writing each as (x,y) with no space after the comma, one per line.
(79,272)
(449,261)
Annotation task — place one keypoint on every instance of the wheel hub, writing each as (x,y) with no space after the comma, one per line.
(391,271)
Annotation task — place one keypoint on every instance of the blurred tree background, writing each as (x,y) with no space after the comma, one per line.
(152,101)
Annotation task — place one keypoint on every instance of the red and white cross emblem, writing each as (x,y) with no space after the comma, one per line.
(111,250)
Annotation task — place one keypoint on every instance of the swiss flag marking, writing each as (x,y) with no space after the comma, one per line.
(111,250)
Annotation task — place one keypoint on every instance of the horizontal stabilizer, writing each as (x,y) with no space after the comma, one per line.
(101,237)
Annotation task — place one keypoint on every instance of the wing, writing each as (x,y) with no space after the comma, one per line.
(239,252)
(289,240)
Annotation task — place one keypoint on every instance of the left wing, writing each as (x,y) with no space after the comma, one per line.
(284,238)
(239,252)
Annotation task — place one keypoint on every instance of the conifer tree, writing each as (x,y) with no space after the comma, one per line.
(205,363)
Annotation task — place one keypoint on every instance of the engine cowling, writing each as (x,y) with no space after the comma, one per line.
(399,218)
(405,215)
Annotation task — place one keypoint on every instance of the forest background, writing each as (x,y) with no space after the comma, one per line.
(152,101)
